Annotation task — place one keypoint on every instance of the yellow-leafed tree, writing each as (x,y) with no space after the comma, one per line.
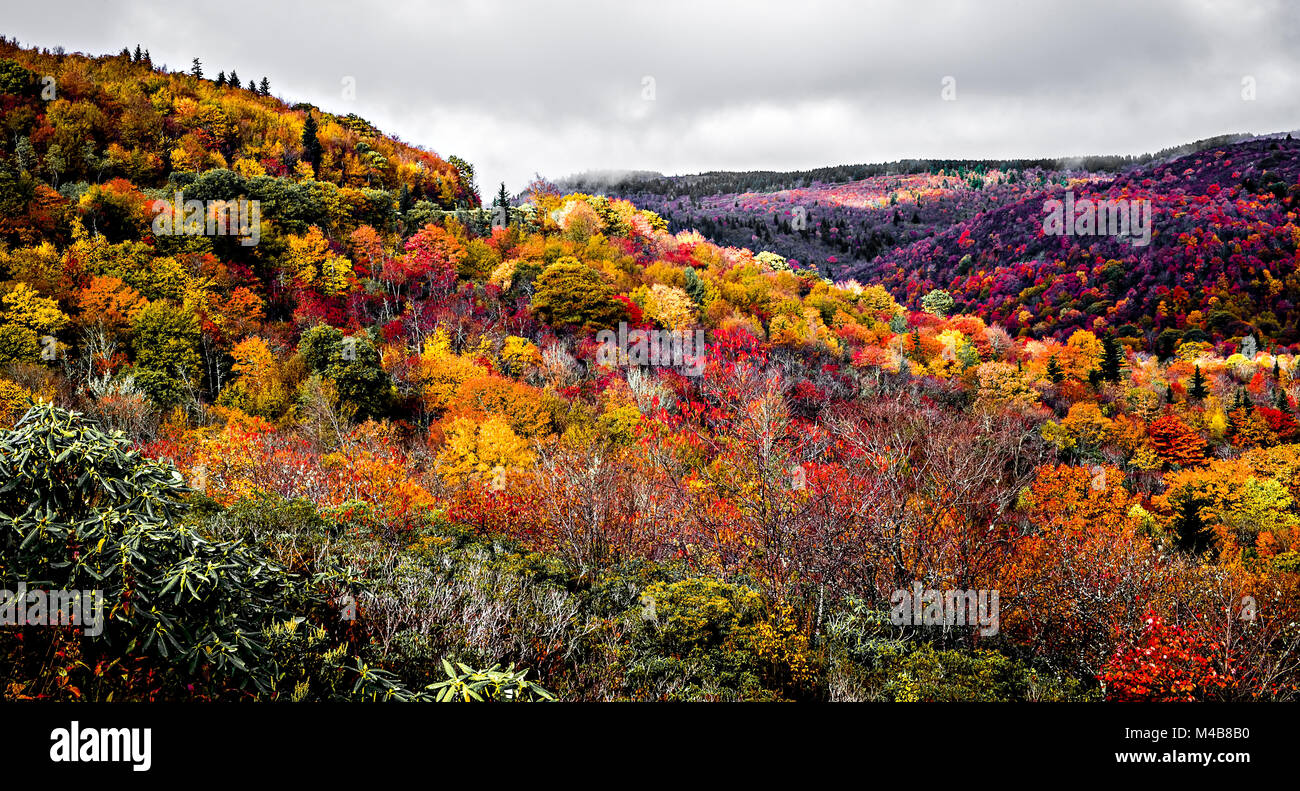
(475,451)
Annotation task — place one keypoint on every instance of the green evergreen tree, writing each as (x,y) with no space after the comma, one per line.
(1112,358)
(311,148)
(695,287)
(1054,372)
(1198,390)
(1242,401)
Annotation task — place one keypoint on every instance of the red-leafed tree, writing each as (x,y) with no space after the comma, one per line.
(1176,443)
(1283,424)
(427,265)
(1168,663)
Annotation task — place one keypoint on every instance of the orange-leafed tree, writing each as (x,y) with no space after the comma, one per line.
(523,407)
(109,303)
(428,264)
(1080,579)
(1175,442)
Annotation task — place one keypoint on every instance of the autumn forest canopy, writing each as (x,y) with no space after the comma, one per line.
(388,435)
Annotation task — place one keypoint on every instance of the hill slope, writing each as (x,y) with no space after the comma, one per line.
(832,227)
(71,121)
(1221,262)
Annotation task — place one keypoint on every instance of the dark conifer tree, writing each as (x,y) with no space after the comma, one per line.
(1112,358)
(1054,372)
(310,142)
(1197,389)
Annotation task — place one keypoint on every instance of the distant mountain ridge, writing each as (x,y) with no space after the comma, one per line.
(1222,263)
(719,182)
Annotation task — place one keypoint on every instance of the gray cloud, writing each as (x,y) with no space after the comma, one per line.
(558,87)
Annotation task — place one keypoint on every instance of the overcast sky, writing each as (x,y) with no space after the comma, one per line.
(561,87)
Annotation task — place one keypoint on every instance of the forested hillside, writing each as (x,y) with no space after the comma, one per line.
(1221,265)
(382,442)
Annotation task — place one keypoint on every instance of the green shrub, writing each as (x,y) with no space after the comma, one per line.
(352,364)
(80,510)
(705,639)
(972,676)
(493,684)
(871,660)
(572,294)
